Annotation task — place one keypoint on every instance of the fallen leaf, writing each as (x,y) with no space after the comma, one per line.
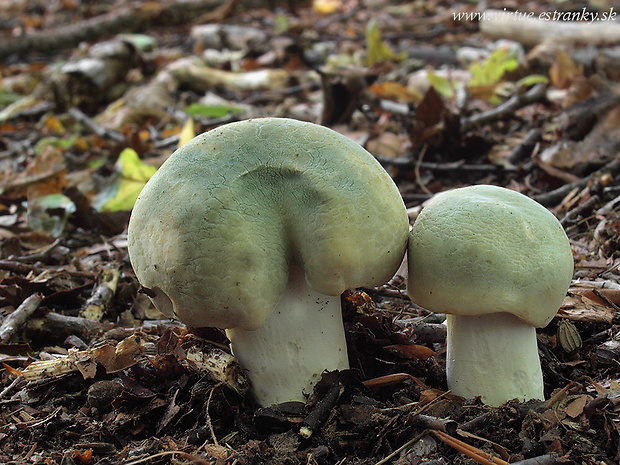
(563,71)
(134,174)
(188,132)
(377,51)
(326,7)
(575,408)
(411,351)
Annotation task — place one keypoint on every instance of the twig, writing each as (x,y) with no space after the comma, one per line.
(15,320)
(7,389)
(473,424)
(38,256)
(443,167)
(209,423)
(95,306)
(525,148)
(95,127)
(547,459)
(387,292)
(572,215)
(555,196)
(320,411)
(416,171)
(558,395)
(470,451)
(401,448)
(506,109)
(194,459)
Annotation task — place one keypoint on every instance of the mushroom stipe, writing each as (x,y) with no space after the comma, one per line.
(499,264)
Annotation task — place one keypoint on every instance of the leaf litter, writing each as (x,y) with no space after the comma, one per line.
(92,373)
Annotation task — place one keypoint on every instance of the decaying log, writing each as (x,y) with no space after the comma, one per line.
(94,79)
(531,30)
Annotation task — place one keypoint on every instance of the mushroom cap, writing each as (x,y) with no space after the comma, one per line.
(486,249)
(215,230)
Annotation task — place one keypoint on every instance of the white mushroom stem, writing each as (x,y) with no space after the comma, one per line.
(494,356)
(303,337)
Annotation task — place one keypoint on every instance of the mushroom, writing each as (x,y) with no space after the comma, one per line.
(499,264)
(258,227)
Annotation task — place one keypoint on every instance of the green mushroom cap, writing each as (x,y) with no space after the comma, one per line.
(486,249)
(217,229)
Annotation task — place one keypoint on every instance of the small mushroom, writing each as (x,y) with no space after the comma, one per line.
(499,264)
(258,227)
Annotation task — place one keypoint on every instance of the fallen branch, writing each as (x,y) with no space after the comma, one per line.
(453,166)
(94,127)
(506,109)
(531,31)
(525,147)
(556,196)
(133,18)
(15,320)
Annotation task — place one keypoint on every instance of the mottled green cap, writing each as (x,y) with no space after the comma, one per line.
(486,249)
(216,229)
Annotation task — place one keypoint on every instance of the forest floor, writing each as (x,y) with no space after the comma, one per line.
(94,96)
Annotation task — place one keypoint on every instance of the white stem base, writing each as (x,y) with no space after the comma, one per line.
(493,356)
(302,338)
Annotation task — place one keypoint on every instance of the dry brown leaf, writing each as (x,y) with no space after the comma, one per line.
(575,408)
(411,351)
(578,307)
(564,70)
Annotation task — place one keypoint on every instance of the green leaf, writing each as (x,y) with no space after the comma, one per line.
(142,42)
(50,213)
(281,24)
(492,70)
(133,176)
(210,111)
(56,142)
(377,51)
(532,79)
(8,97)
(442,85)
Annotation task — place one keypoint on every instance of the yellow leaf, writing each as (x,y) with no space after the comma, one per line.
(396,91)
(326,7)
(441,84)
(377,51)
(188,132)
(134,174)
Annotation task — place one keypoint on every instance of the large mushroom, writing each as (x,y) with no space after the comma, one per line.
(499,264)
(258,227)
